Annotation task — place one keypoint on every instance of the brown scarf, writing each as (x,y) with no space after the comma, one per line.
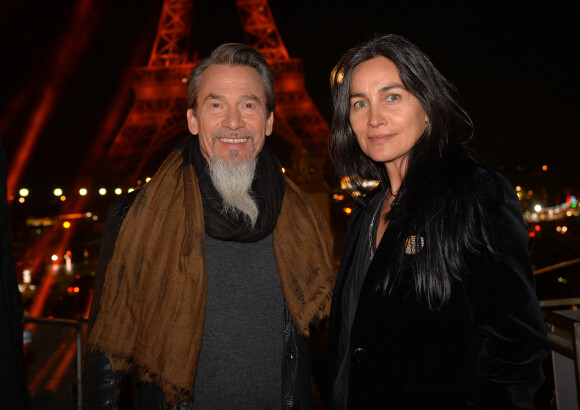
(154,296)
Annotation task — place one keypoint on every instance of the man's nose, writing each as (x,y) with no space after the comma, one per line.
(233,119)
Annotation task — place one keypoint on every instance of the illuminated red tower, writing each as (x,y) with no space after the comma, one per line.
(157,117)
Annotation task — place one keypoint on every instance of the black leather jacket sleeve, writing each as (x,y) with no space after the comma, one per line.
(101,386)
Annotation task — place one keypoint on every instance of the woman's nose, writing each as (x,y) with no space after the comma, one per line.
(376,118)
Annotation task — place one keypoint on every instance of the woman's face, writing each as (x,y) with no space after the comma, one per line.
(385,117)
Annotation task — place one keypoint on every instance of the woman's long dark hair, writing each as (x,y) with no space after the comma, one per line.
(436,178)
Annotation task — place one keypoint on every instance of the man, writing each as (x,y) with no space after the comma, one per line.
(213,274)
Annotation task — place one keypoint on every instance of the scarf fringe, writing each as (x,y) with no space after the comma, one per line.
(173,393)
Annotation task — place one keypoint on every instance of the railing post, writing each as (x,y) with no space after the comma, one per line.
(79,362)
(564,334)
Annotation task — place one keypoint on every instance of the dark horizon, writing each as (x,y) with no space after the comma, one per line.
(512,67)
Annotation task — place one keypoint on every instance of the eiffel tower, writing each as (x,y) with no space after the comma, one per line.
(156,120)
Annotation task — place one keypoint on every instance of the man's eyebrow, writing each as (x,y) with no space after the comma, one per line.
(212,96)
(249,97)
(243,97)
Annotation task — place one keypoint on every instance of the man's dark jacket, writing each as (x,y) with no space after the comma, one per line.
(102,387)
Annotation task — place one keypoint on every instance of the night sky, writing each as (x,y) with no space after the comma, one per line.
(516,69)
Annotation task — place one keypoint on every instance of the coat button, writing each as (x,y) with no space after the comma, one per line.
(359,354)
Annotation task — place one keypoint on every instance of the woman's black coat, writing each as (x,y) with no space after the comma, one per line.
(482,350)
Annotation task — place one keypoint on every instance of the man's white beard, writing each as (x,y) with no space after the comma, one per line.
(233,181)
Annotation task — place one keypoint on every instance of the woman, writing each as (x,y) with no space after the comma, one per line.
(435,304)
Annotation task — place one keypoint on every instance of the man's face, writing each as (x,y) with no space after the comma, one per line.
(231,119)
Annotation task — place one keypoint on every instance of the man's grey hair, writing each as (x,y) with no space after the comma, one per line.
(233,54)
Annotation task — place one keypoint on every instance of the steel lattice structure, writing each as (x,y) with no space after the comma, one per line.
(157,116)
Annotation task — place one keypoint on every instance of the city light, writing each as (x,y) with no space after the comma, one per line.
(26,277)
(66,224)
(24,193)
(347,183)
(550,213)
(68,261)
(544,167)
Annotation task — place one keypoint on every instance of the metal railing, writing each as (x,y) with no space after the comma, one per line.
(572,265)
(559,285)
(53,352)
